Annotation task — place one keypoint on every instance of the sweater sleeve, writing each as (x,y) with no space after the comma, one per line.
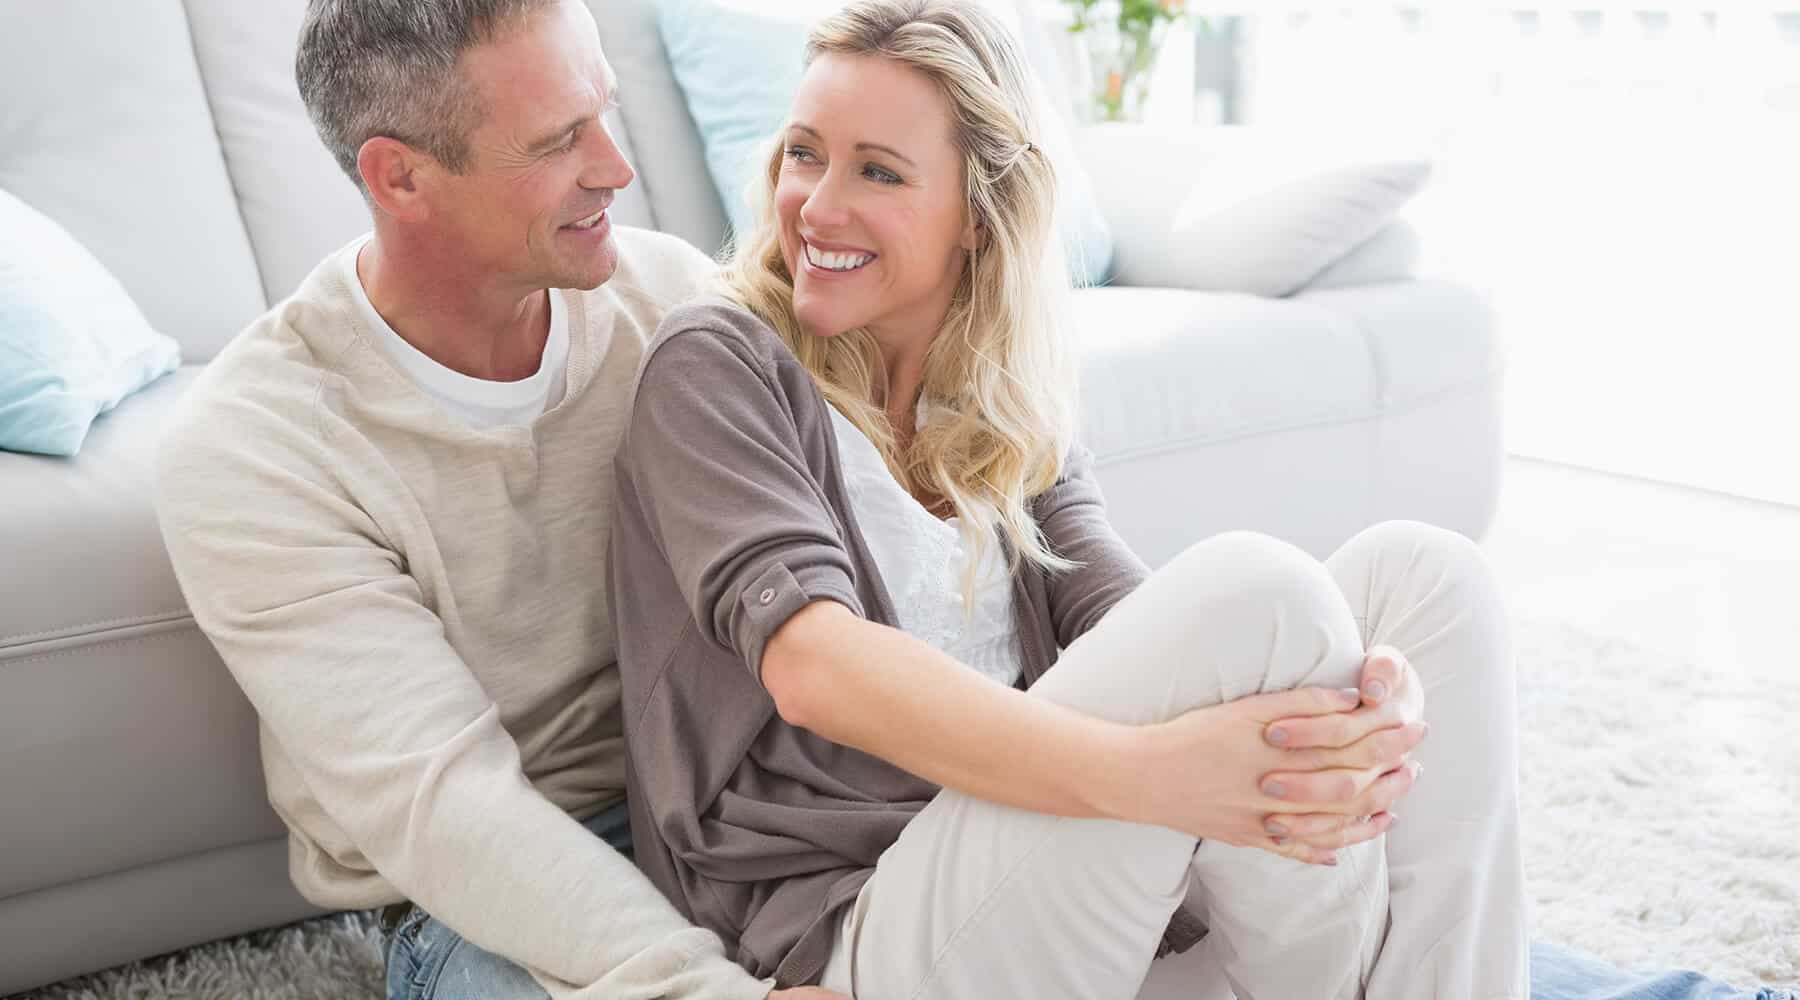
(1072,515)
(317,618)
(714,464)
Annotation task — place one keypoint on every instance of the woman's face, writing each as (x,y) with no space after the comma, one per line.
(874,226)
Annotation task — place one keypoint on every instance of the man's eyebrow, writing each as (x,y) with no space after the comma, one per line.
(551,140)
(889,150)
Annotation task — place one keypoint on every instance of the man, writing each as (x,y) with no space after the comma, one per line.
(387,504)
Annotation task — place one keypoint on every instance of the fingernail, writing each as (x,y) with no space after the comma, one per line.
(1278,736)
(1332,861)
(1273,789)
(1279,841)
(1275,828)
(1376,690)
(1351,696)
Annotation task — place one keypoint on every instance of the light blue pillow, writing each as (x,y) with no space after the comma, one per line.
(72,343)
(738,70)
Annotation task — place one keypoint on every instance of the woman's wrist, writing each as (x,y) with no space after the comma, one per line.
(1123,755)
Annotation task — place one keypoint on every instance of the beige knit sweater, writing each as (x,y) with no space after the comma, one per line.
(416,609)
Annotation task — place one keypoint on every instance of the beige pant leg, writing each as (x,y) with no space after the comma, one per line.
(1457,924)
(978,901)
(1455,877)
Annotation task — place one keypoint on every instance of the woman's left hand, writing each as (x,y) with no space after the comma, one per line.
(1378,735)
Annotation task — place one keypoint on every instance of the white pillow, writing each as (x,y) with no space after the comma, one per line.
(1226,213)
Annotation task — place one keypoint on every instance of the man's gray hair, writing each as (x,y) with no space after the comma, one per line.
(389,68)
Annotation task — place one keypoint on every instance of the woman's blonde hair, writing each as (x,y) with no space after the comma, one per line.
(998,375)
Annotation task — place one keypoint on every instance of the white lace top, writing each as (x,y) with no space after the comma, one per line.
(922,560)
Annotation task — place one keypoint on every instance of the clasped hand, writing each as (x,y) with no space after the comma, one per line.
(1299,773)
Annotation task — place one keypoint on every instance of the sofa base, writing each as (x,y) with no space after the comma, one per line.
(75,928)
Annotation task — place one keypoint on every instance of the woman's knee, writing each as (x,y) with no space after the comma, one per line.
(1288,614)
(1432,549)
(1414,583)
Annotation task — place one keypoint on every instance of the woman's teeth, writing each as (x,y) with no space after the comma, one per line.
(834,261)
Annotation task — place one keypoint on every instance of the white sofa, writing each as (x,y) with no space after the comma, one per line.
(169,138)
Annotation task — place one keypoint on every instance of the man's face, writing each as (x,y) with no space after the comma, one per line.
(530,206)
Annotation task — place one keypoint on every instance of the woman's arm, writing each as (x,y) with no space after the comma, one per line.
(886,693)
(878,689)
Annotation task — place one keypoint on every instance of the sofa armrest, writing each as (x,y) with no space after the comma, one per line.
(1248,210)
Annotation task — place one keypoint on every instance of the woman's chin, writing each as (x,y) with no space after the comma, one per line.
(816,325)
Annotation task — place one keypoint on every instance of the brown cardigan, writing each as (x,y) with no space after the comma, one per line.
(730,516)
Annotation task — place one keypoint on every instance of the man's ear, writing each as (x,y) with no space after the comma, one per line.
(391,171)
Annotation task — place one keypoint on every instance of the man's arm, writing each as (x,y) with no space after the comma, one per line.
(318,620)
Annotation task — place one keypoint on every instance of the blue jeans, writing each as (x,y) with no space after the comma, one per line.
(428,961)
(1560,974)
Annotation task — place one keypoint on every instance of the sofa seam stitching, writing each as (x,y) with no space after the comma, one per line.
(73,650)
(80,628)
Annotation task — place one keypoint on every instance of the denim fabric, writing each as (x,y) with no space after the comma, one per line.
(1560,974)
(428,961)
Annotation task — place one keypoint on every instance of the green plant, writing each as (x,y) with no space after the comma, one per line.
(1122,38)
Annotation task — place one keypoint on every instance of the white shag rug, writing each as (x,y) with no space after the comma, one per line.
(1661,804)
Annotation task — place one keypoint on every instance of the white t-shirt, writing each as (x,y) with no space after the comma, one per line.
(922,560)
(474,401)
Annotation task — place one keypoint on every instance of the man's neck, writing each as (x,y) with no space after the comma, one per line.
(465,323)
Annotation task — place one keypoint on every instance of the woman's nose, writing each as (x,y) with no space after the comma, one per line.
(825,206)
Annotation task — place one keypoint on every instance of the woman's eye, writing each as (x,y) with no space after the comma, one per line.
(881,174)
(799,154)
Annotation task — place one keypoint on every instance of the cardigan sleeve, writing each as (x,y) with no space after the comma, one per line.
(713,461)
(1072,516)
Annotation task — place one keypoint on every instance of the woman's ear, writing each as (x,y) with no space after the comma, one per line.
(974,235)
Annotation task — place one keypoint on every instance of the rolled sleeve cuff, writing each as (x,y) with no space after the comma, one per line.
(776,595)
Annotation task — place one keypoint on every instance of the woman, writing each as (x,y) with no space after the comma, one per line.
(852,535)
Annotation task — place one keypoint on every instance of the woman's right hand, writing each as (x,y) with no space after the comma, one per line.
(1202,772)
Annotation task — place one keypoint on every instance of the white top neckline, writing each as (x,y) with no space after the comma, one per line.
(474,401)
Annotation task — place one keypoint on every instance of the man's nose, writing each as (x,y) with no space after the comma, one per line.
(604,165)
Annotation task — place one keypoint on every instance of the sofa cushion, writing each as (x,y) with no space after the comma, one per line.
(1307,418)
(297,204)
(82,536)
(105,129)
(1427,338)
(1165,369)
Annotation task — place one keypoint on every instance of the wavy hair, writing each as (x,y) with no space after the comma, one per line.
(998,376)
